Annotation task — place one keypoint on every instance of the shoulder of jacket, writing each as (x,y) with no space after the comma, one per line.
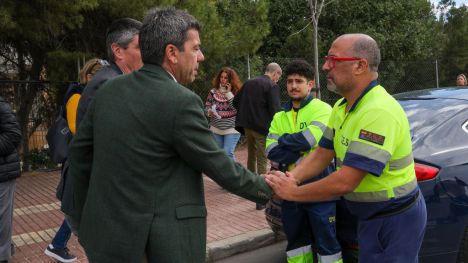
(4,105)
(280,114)
(320,103)
(181,92)
(102,76)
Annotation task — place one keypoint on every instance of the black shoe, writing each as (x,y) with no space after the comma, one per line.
(259,207)
(60,254)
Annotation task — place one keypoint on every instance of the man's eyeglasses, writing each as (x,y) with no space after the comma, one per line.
(331,60)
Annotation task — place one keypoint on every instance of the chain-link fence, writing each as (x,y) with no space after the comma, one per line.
(36,103)
(396,77)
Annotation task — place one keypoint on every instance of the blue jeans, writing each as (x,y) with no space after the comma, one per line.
(228,142)
(62,236)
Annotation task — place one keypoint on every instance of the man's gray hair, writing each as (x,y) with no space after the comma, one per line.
(161,27)
(366,47)
(272,68)
(121,32)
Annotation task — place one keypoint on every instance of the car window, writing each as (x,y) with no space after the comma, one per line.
(426,114)
(450,135)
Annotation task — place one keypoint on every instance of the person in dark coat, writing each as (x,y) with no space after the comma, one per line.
(256,104)
(10,138)
(138,157)
(123,54)
(124,57)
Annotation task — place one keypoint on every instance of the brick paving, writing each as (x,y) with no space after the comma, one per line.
(37,215)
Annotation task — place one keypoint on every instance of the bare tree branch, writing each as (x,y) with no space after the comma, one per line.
(295,33)
(316,7)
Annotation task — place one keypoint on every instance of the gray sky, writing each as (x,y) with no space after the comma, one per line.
(459,2)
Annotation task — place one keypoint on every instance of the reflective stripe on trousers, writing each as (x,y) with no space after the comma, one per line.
(300,255)
(304,255)
(335,258)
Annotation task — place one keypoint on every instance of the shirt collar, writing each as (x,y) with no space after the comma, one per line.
(288,105)
(115,67)
(172,76)
(371,85)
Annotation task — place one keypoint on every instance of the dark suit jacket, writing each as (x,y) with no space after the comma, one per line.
(256,104)
(94,84)
(65,187)
(137,162)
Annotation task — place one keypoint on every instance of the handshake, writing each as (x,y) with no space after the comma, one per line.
(284,185)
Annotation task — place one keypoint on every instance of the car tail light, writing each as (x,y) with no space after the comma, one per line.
(425,172)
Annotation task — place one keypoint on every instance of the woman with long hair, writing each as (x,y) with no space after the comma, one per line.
(220,110)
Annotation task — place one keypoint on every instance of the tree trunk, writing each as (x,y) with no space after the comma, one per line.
(26,94)
(316,62)
(314,16)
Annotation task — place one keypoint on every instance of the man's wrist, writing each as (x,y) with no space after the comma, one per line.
(296,179)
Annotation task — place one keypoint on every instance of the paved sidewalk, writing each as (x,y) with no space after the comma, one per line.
(233,223)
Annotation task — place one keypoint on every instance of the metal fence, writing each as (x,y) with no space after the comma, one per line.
(395,76)
(37,102)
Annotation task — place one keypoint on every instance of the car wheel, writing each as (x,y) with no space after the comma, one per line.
(463,251)
(273,215)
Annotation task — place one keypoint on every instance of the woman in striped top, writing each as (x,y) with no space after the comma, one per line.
(220,110)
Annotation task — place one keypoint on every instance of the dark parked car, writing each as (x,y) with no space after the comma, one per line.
(439,128)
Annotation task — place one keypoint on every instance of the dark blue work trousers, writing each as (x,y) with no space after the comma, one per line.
(310,223)
(393,239)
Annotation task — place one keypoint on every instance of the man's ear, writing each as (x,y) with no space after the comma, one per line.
(362,66)
(172,53)
(311,84)
(117,51)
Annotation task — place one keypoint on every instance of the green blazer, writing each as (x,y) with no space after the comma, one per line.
(136,165)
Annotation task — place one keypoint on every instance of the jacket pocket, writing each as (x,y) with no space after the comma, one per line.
(190,211)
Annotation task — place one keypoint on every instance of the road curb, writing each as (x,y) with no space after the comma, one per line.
(242,243)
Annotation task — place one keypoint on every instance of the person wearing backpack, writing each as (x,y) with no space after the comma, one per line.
(57,249)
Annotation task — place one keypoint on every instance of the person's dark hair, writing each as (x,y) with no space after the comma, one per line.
(161,27)
(300,67)
(366,47)
(121,32)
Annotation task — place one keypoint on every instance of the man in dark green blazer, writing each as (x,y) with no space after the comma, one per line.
(138,157)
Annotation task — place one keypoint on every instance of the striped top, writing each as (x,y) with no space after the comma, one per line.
(222,103)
